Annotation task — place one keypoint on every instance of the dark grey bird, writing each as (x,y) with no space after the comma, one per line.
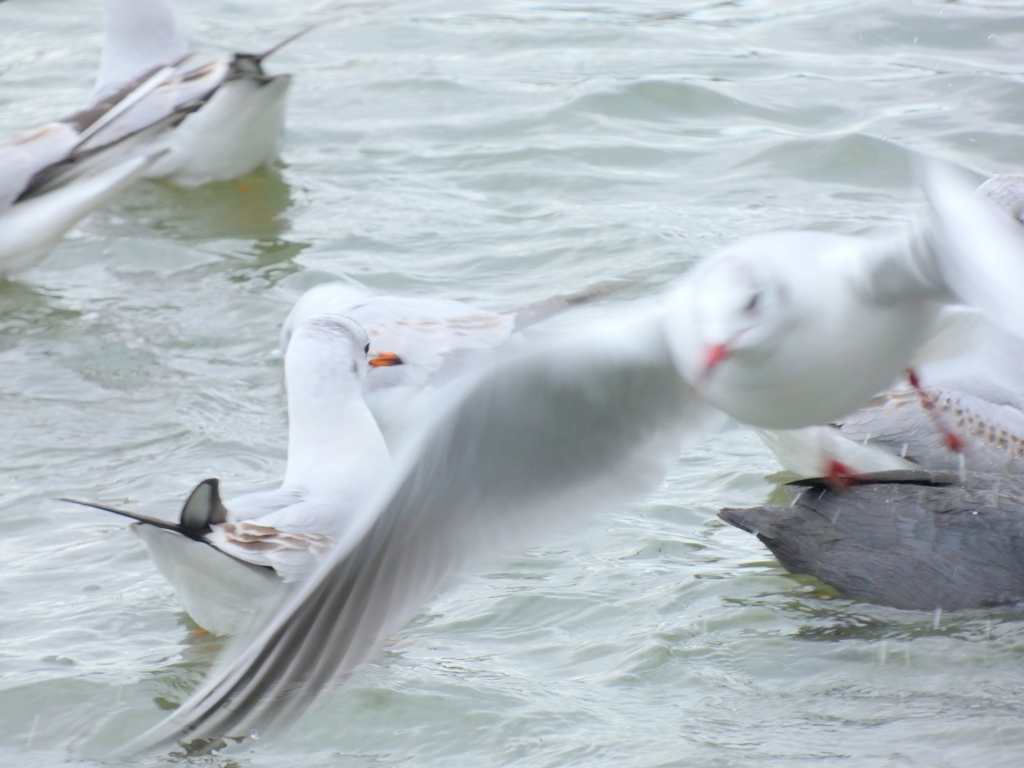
(909,539)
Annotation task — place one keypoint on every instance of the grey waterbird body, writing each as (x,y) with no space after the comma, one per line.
(909,539)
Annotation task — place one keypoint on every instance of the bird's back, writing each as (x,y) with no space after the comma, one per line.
(907,539)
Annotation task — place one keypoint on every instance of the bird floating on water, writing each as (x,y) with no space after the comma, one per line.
(909,539)
(229,560)
(231,112)
(152,114)
(780,330)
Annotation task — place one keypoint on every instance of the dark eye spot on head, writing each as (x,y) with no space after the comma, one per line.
(753,302)
(366,349)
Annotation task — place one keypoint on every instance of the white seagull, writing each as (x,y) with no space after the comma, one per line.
(781,330)
(228,560)
(151,115)
(232,111)
(966,414)
(420,345)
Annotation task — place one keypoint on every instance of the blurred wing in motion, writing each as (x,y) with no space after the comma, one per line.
(567,429)
(979,249)
(968,251)
(436,341)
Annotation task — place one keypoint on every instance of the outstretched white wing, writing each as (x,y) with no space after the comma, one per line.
(570,428)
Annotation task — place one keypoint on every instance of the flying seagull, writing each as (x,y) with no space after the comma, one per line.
(781,330)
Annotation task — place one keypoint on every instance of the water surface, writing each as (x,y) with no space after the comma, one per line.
(496,153)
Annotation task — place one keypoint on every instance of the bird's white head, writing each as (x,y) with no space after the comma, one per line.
(327,354)
(732,305)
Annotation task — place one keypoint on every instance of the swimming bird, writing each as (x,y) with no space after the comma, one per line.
(776,330)
(228,560)
(420,345)
(151,115)
(231,112)
(971,390)
(909,539)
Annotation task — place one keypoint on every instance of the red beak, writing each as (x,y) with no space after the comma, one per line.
(713,355)
(385,358)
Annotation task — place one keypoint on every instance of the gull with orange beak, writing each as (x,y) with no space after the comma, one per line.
(812,326)
(429,342)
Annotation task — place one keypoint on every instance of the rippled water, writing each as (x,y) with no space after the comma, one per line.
(497,153)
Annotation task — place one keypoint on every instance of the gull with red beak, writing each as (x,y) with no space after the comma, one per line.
(814,324)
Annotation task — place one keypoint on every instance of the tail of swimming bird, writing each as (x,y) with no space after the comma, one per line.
(757,521)
(203,507)
(140,518)
(250,65)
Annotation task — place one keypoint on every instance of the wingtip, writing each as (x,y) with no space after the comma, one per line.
(95,506)
(260,57)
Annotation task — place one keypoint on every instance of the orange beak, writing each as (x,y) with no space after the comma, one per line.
(384,359)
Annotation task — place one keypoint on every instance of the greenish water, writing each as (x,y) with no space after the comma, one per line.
(497,153)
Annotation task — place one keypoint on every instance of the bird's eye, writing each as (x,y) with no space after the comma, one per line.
(753,302)
(366,349)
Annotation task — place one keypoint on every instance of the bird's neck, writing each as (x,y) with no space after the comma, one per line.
(331,438)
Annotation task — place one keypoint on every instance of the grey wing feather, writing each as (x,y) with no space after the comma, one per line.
(89,163)
(992,435)
(566,429)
